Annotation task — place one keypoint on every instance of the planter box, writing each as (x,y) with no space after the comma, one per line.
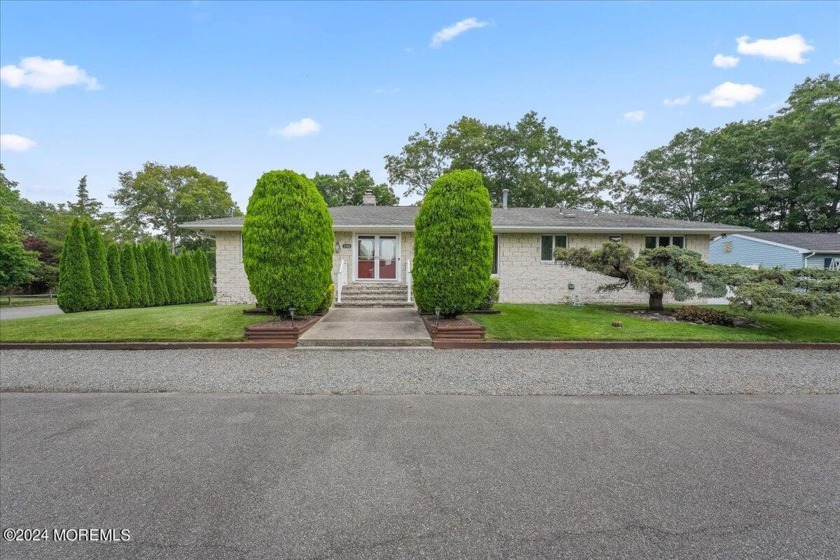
(282,333)
(454,329)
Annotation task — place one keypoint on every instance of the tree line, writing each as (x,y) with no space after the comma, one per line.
(94,275)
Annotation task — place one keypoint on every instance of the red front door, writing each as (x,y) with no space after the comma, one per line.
(376,257)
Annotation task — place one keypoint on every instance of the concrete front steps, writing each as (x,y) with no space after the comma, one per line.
(378,294)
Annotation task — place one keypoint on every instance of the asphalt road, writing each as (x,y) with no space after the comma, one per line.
(275,476)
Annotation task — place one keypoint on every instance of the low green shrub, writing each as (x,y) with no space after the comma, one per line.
(704,315)
(328,298)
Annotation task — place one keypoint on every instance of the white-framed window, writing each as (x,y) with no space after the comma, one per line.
(654,241)
(832,263)
(615,238)
(547,245)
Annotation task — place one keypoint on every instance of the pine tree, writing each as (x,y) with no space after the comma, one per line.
(75,285)
(98,260)
(156,281)
(116,276)
(131,277)
(144,277)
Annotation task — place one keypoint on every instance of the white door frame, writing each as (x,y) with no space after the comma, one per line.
(398,254)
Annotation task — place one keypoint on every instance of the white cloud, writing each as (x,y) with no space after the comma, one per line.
(788,49)
(386,91)
(634,116)
(303,127)
(449,33)
(46,74)
(724,61)
(16,143)
(729,94)
(677,101)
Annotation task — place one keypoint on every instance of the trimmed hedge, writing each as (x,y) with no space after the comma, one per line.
(129,275)
(453,245)
(288,243)
(115,273)
(105,296)
(75,285)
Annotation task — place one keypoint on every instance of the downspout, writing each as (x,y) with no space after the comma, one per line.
(806,257)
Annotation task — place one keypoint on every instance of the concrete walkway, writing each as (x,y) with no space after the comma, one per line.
(29,311)
(368,327)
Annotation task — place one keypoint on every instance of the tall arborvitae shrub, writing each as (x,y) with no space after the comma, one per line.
(192,263)
(131,277)
(453,244)
(168,273)
(205,274)
(75,285)
(98,259)
(288,243)
(146,298)
(190,277)
(177,274)
(156,281)
(116,276)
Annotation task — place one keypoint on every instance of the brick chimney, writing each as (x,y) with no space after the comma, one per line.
(368,199)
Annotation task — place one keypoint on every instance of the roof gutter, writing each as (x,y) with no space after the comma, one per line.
(510,229)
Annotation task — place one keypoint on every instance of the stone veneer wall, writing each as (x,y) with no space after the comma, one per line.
(523,277)
(231,280)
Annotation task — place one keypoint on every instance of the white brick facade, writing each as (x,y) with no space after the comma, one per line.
(522,276)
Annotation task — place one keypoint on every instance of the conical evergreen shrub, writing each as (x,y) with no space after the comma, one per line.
(205,274)
(143,276)
(188,271)
(115,274)
(156,281)
(75,285)
(453,244)
(168,273)
(288,243)
(98,259)
(131,277)
(178,276)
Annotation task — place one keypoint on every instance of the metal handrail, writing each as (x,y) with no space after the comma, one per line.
(340,281)
(408,278)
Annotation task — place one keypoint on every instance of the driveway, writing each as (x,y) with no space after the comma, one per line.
(29,311)
(269,476)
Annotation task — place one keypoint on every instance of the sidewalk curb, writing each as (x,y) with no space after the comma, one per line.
(439,344)
(627,344)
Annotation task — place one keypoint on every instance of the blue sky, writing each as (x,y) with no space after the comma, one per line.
(216,84)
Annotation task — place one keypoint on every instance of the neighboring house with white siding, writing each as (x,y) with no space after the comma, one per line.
(777,249)
(374,247)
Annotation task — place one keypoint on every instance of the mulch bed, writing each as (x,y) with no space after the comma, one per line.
(667,316)
(457,328)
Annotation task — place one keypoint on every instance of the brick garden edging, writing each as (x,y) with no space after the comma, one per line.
(460,329)
(280,333)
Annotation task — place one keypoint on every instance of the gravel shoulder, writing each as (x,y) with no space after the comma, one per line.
(396,372)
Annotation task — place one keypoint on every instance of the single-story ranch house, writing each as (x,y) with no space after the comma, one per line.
(374,246)
(782,249)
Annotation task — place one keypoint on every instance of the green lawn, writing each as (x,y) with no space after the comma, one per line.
(593,322)
(196,322)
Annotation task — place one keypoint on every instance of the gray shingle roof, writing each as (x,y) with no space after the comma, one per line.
(804,241)
(503,219)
